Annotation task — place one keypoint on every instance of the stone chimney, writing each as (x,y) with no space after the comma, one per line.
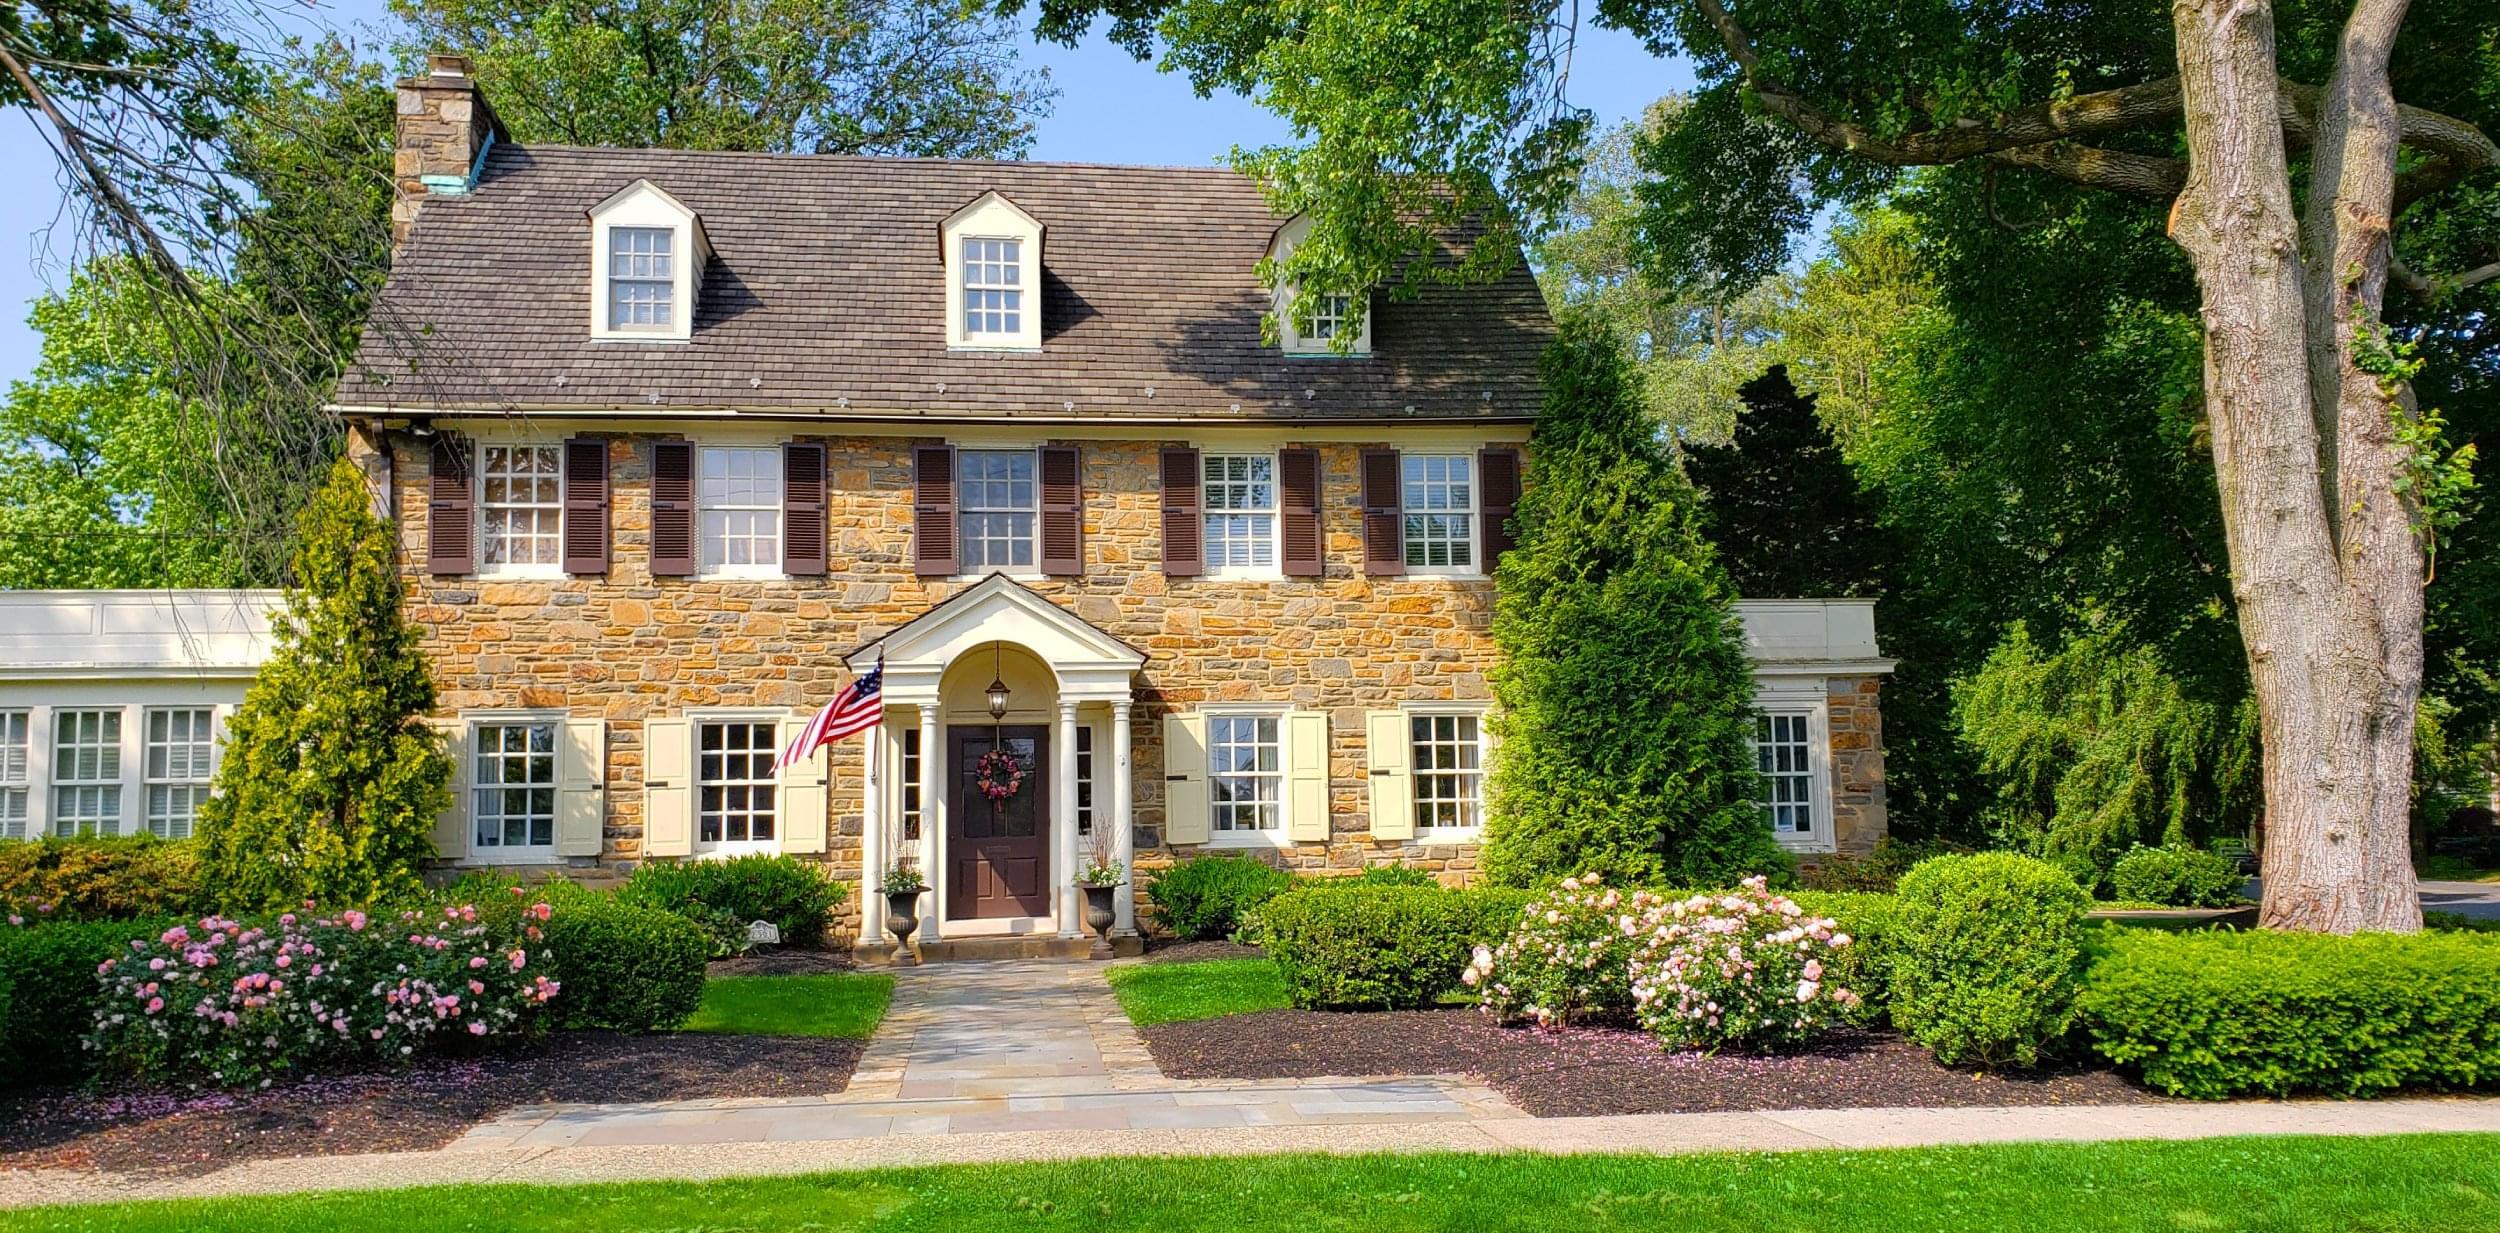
(445,129)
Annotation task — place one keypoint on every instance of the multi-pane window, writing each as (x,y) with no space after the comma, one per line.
(734,782)
(14,771)
(1240,500)
(997,501)
(739,494)
(1439,500)
(1245,772)
(1448,770)
(86,772)
(522,503)
(642,278)
(513,787)
(1783,747)
(911,785)
(179,750)
(993,286)
(1328,316)
(1084,779)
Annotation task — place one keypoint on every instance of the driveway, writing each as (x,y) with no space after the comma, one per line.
(2478,899)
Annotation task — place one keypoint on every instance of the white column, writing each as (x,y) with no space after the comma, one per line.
(1063,890)
(1123,834)
(932,818)
(872,859)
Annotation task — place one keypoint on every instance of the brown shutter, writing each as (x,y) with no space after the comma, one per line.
(1184,536)
(1297,495)
(1384,527)
(672,509)
(1497,488)
(1063,512)
(451,509)
(803,509)
(586,505)
(934,552)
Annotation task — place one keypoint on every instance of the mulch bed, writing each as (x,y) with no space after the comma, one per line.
(422,1107)
(1165,951)
(1583,1072)
(783,963)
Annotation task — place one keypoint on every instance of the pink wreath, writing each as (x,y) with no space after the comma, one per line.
(998,774)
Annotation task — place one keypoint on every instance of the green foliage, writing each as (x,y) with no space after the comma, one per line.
(102,878)
(623,966)
(918,77)
(2216,1014)
(799,897)
(54,991)
(1208,897)
(1380,948)
(1394,873)
(2096,749)
(1784,511)
(838,1005)
(2177,875)
(1153,993)
(1864,967)
(1987,957)
(330,782)
(1626,700)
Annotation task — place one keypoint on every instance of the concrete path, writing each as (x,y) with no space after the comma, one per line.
(2477,899)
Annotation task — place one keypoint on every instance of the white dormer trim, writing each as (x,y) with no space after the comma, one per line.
(1281,300)
(991,216)
(644,204)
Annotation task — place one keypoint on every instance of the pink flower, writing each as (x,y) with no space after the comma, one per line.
(286,961)
(478,962)
(520,959)
(476,1028)
(155,1005)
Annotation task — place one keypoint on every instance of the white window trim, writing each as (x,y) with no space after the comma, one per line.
(1475,516)
(644,204)
(25,782)
(1274,570)
(130,814)
(1483,713)
(466,785)
(147,782)
(762,571)
(969,572)
(991,216)
(1282,836)
(1281,302)
(695,719)
(1815,705)
(481,443)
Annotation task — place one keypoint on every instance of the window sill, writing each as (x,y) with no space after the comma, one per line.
(1446,835)
(1248,839)
(1443,572)
(1807,845)
(740,574)
(1011,576)
(732,851)
(997,348)
(619,336)
(483,859)
(1242,575)
(525,573)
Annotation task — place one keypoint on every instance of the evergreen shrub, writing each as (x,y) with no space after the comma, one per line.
(624,966)
(1988,957)
(117,878)
(1381,947)
(2177,875)
(1209,897)
(54,991)
(798,897)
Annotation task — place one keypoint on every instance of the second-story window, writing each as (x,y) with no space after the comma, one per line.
(1328,317)
(1439,501)
(1240,496)
(998,506)
(642,278)
(993,286)
(521,507)
(740,500)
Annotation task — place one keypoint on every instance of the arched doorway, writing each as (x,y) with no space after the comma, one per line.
(999,831)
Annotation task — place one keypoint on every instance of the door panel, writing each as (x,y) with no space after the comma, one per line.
(998,851)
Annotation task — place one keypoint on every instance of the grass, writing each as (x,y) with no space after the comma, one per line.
(2440,868)
(2416,1183)
(844,1004)
(1155,993)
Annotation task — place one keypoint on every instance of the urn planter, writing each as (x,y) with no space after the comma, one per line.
(1100,912)
(902,919)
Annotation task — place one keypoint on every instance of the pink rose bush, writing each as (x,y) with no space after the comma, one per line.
(229,1003)
(1747,970)
(1569,959)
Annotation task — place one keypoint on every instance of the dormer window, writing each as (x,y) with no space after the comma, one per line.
(993,254)
(647,257)
(1328,316)
(1331,312)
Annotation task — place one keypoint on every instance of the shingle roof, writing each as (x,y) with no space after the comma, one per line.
(826,296)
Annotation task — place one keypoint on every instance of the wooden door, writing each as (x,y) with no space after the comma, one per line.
(998,851)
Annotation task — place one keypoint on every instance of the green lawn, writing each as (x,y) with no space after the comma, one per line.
(2415,1184)
(846,1004)
(2453,869)
(1155,993)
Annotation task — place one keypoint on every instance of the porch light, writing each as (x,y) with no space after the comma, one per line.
(998,684)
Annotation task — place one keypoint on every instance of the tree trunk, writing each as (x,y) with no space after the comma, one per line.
(2325,562)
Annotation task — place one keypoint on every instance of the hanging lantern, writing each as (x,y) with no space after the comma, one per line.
(998,683)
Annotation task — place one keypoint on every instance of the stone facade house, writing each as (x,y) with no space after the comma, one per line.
(680,443)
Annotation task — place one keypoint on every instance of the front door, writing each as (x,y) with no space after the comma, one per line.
(997,850)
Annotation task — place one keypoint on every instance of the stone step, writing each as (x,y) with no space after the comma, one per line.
(1021,946)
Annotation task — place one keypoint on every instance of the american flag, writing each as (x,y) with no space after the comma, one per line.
(856,709)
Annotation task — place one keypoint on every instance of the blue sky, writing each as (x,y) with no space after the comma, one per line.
(1111,109)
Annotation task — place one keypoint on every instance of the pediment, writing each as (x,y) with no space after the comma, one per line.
(999,609)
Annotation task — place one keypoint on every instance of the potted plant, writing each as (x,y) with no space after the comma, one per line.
(903,886)
(1100,879)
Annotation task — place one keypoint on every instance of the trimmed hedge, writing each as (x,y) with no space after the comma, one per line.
(2178,876)
(623,965)
(119,878)
(1208,897)
(1864,967)
(2215,1014)
(1987,957)
(1381,947)
(54,991)
(796,896)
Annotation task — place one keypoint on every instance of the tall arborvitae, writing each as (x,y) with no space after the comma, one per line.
(331,781)
(1626,703)
(1783,507)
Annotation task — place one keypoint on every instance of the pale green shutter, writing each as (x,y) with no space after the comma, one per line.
(667,788)
(451,827)
(803,794)
(1306,776)
(1392,784)
(1186,811)
(581,786)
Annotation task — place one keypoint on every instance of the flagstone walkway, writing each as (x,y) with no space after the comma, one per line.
(1000,1048)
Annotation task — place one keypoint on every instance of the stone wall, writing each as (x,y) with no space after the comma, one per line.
(1857,764)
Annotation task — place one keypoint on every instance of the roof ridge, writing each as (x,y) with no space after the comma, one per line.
(870,159)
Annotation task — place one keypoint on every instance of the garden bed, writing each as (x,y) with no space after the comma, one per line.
(422,1107)
(1171,950)
(1595,1071)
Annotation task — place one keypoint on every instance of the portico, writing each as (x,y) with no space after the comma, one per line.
(1001,861)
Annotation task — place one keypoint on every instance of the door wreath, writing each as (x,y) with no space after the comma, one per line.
(999,774)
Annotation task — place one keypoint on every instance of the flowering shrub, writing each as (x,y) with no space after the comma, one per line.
(1570,957)
(226,1002)
(1743,970)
